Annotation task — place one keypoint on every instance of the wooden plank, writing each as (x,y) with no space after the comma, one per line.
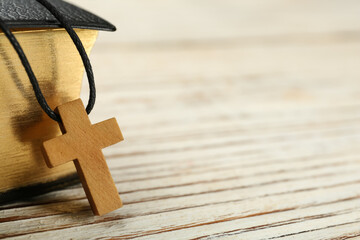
(128,227)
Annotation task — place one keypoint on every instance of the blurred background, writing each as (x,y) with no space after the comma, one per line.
(228,56)
(222,70)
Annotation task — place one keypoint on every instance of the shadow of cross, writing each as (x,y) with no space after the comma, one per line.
(82,142)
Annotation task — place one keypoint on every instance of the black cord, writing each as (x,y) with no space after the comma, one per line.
(39,96)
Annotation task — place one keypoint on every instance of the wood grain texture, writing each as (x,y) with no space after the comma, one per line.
(242,121)
(82,143)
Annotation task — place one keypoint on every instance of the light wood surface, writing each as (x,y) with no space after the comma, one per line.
(241,121)
(82,143)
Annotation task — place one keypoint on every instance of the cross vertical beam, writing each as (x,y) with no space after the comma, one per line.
(82,142)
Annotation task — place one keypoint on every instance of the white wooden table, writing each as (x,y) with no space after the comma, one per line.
(241,119)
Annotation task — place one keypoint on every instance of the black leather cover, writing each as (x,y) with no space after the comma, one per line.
(31,14)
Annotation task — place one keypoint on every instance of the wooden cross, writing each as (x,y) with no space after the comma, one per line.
(82,142)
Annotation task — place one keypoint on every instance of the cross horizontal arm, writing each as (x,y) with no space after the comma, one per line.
(107,133)
(58,151)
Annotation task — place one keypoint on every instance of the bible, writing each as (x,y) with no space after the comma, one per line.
(59,70)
